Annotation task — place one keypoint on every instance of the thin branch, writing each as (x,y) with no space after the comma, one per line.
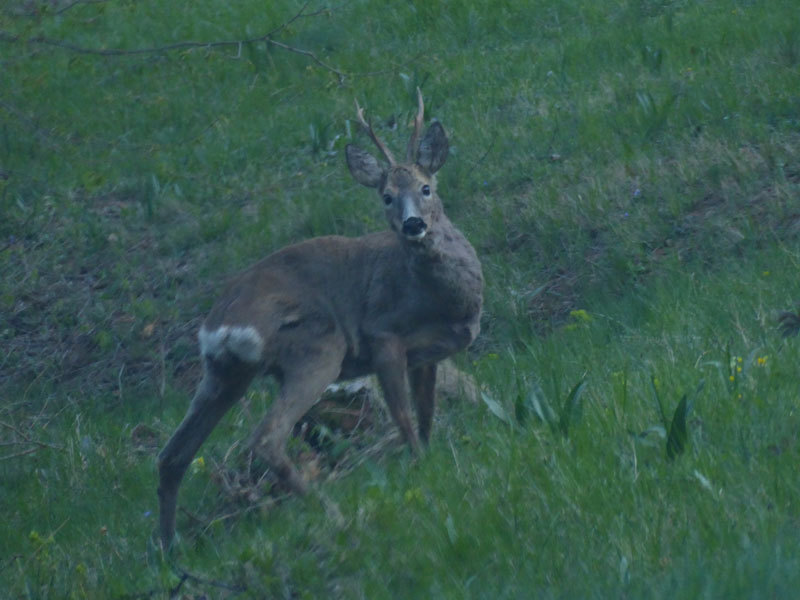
(270,501)
(64,9)
(6,36)
(307,53)
(28,440)
(266,38)
(301,14)
(37,445)
(51,536)
(186,576)
(31,10)
(21,116)
(193,517)
(19,454)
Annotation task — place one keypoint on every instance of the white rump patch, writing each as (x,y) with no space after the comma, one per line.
(245,343)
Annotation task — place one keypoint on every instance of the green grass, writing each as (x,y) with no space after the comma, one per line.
(628,173)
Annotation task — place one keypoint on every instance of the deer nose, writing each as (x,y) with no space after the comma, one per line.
(414,227)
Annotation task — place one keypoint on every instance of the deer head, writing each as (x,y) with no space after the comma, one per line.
(407,189)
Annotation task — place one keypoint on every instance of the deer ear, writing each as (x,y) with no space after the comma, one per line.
(433,148)
(364,167)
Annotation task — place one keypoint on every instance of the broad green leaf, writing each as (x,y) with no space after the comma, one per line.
(676,442)
(571,410)
(521,410)
(495,408)
(451,529)
(540,406)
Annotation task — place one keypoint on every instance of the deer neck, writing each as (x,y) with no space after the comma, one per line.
(446,262)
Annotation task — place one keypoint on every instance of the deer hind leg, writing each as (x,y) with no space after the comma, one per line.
(423,389)
(389,362)
(216,393)
(301,387)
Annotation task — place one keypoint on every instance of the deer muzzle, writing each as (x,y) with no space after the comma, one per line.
(414,228)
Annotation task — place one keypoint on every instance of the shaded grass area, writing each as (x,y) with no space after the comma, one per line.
(629,175)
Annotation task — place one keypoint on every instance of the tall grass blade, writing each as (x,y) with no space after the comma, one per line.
(661,412)
(729,361)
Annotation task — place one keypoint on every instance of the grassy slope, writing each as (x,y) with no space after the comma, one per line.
(638,161)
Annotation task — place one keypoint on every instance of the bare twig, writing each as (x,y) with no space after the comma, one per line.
(27,439)
(64,9)
(254,506)
(193,517)
(266,38)
(186,576)
(52,535)
(19,454)
(351,462)
(31,123)
(29,9)
(6,36)
(307,53)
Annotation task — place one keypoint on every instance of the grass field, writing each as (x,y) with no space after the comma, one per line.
(629,173)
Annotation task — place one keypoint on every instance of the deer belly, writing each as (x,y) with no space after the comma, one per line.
(355,366)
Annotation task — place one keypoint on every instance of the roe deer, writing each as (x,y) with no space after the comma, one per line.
(393,303)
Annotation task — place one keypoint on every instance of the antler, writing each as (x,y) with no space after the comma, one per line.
(411,152)
(368,128)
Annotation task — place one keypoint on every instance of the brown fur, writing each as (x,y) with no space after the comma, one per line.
(331,308)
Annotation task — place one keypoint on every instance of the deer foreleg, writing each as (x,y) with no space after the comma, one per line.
(389,363)
(423,389)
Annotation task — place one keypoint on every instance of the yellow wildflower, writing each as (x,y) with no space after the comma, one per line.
(580,315)
(198,464)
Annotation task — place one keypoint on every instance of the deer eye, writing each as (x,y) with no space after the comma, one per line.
(426,190)
(387,199)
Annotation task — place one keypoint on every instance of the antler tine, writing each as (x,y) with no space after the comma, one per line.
(368,128)
(411,152)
